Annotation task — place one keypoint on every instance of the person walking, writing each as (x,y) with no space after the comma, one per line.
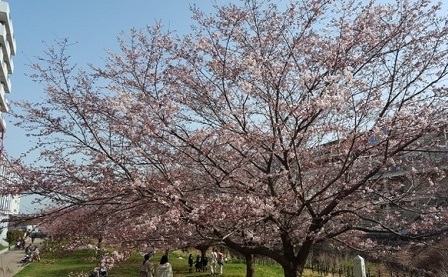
(164,269)
(147,268)
(213,261)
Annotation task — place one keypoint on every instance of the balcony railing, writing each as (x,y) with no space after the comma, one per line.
(6,21)
(6,48)
(4,107)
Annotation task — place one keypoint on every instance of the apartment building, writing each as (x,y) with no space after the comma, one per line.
(9,204)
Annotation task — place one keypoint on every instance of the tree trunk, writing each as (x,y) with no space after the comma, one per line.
(203,249)
(291,271)
(203,256)
(296,266)
(100,240)
(293,264)
(250,265)
(300,269)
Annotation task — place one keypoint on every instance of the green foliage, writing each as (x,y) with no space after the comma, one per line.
(13,236)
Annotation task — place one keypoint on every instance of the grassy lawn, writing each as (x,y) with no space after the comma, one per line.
(180,268)
(75,263)
(52,265)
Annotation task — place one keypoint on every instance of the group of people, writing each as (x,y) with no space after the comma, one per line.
(100,271)
(216,263)
(164,269)
(32,253)
(200,264)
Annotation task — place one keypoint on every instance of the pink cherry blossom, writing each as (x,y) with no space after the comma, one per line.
(269,128)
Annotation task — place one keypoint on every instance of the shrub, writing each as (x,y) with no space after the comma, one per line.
(14,236)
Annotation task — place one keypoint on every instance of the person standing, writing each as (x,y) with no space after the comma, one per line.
(103,269)
(213,261)
(190,263)
(36,254)
(147,268)
(164,269)
(220,260)
(198,263)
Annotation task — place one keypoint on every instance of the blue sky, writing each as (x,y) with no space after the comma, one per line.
(93,24)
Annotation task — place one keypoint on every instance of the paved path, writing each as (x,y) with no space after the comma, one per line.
(10,262)
(10,259)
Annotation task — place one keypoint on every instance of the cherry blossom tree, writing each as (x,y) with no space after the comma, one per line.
(270,127)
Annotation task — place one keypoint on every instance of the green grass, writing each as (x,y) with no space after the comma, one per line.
(83,261)
(59,265)
(180,268)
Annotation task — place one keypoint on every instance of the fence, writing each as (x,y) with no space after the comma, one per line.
(346,269)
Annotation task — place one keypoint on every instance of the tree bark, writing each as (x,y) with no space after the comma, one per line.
(203,249)
(99,243)
(250,271)
(296,265)
(203,256)
(289,270)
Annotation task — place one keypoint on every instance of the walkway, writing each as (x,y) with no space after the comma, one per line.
(10,259)
(10,262)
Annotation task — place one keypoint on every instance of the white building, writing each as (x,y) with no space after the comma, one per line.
(7,49)
(9,205)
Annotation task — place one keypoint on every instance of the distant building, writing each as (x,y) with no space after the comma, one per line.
(9,205)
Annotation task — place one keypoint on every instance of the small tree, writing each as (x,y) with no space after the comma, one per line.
(14,236)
